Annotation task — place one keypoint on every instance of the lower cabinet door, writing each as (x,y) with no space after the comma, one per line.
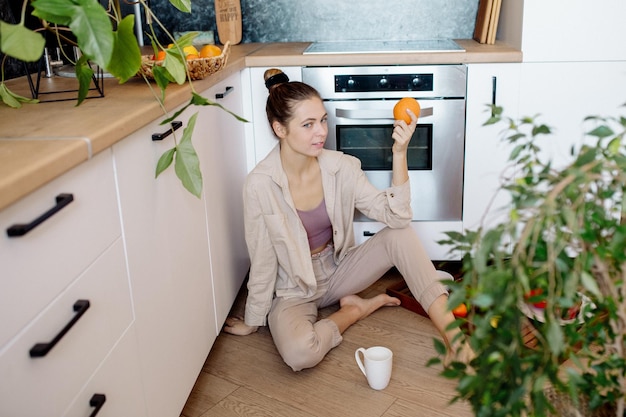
(45,385)
(165,231)
(115,389)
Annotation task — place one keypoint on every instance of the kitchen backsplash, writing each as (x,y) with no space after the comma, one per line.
(327,20)
(316,20)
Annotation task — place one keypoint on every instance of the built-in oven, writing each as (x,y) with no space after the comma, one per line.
(360,101)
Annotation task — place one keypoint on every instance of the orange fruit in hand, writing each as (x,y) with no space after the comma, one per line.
(460,310)
(399,110)
(208,51)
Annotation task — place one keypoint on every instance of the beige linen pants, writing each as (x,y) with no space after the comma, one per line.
(301,339)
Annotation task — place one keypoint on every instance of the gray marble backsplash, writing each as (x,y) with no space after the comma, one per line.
(327,20)
(310,20)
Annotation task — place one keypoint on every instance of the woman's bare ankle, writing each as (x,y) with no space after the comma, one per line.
(367,306)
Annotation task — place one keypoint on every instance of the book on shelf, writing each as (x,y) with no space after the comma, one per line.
(487,21)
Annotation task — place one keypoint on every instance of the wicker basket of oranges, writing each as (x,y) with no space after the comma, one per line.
(208,60)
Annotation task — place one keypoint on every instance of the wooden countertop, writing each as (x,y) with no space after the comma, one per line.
(40,142)
(290,54)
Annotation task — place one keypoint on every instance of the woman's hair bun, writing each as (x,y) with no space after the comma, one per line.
(274,76)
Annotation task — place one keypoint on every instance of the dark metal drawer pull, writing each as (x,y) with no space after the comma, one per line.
(226,92)
(42,349)
(62,200)
(368,233)
(175,126)
(97,400)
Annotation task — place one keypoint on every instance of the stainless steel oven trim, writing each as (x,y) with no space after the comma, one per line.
(450,80)
(376,114)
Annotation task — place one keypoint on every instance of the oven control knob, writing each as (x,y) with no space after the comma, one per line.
(383,83)
(416,82)
(350,83)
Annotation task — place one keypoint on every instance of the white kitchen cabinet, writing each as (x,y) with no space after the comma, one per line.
(563,94)
(164,229)
(39,265)
(263,140)
(119,380)
(574,64)
(565,30)
(45,386)
(66,290)
(486,153)
(222,146)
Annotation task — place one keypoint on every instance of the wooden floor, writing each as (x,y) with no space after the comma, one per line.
(245,376)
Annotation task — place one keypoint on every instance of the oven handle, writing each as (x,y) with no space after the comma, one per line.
(375,114)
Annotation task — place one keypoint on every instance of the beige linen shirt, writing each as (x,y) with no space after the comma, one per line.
(277,241)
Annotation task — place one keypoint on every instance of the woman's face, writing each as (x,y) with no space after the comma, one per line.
(306,132)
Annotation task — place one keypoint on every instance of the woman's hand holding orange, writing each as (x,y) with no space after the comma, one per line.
(402,133)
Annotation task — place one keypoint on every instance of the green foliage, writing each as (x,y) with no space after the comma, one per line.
(104,38)
(20,42)
(566,235)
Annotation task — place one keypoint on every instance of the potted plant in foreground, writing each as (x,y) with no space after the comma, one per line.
(107,39)
(559,283)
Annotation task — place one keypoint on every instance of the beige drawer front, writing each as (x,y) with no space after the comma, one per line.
(45,386)
(37,266)
(117,382)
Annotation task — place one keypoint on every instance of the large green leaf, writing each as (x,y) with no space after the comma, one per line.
(93,30)
(11,99)
(54,11)
(21,43)
(165,161)
(162,78)
(187,165)
(182,5)
(198,100)
(87,20)
(186,39)
(84,74)
(176,65)
(126,53)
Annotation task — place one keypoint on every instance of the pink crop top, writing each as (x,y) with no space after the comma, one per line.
(317,225)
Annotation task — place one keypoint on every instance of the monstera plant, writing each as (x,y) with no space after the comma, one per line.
(107,39)
(546,288)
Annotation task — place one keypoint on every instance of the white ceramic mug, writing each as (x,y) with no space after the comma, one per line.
(376,365)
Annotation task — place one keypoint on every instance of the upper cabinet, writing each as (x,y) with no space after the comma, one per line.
(574,65)
(565,30)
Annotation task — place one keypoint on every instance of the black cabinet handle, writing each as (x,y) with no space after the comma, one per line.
(226,92)
(62,200)
(97,401)
(42,349)
(160,136)
(494,87)
(368,233)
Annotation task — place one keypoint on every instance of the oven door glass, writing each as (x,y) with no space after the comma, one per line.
(372,145)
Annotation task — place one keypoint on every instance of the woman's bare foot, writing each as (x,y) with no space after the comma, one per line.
(462,353)
(237,326)
(367,306)
(354,308)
